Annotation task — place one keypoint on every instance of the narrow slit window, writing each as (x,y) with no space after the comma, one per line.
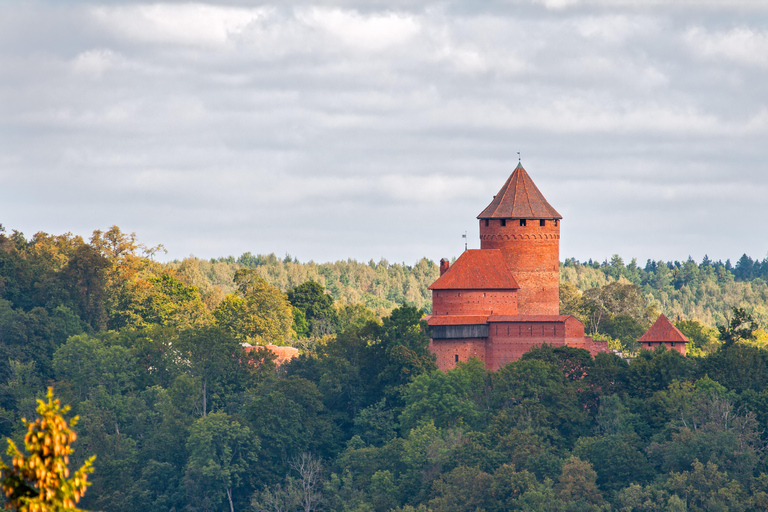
(486,222)
(555,222)
(522,222)
(503,222)
(456,358)
(542,223)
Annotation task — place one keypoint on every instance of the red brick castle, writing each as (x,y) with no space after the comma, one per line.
(497,302)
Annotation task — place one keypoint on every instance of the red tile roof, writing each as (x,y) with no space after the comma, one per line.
(661,331)
(282,354)
(477,269)
(519,198)
(456,319)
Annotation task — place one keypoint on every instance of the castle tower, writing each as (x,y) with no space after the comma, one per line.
(526,229)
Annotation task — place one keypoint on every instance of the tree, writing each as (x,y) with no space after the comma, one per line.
(301,493)
(310,470)
(39,482)
(310,298)
(576,485)
(221,451)
(741,326)
(216,358)
(257,313)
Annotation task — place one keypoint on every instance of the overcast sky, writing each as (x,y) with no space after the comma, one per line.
(369,129)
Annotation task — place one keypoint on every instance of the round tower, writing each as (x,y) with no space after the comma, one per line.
(524,226)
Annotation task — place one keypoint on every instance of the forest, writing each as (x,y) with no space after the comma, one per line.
(182,415)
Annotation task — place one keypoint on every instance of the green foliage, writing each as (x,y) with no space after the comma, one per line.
(740,326)
(258,313)
(221,452)
(181,417)
(310,298)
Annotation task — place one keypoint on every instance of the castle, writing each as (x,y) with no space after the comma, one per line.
(497,302)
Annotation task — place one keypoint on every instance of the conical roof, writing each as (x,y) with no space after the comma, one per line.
(519,198)
(661,331)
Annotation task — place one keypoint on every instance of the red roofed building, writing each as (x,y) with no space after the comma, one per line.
(282,354)
(663,332)
(497,302)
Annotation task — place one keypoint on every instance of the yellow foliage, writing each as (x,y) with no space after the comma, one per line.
(39,481)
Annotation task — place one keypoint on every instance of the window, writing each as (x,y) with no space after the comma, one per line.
(673,343)
(522,222)
(503,222)
(486,222)
(542,223)
(555,222)
(456,358)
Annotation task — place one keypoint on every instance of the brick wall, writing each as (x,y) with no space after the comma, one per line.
(474,302)
(532,253)
(679,347)
(466,348)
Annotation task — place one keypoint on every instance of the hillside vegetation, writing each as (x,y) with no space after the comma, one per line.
(182,417)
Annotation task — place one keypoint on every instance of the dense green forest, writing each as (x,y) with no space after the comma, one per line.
(181,417)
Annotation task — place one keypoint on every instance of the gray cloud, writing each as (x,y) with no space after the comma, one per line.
(356,129)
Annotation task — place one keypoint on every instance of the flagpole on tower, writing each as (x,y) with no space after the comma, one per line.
(464,236)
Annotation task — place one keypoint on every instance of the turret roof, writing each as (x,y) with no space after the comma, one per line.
(663,331)
(477,269)
(519,198)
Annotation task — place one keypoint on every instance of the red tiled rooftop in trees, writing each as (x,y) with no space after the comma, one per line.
(477,269)
(519,198)
(663,330)
(282,354)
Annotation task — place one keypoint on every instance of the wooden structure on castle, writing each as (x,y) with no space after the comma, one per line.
(497,302)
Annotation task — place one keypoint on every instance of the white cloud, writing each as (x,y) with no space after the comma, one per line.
(742,45)
(370,32)
(615,28)
(223,118)
(433,189)
(94,63)
(185,24)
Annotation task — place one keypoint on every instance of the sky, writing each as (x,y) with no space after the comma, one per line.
(372,129)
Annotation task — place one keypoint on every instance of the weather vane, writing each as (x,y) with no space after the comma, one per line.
(464,236)
(519,159)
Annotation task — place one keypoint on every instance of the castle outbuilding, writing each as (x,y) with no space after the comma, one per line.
(663,332)
(497,302)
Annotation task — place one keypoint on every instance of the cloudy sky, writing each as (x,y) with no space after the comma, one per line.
(369,129)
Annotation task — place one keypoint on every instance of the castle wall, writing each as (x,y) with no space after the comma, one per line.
(474,302)
(532,253)
(448,352)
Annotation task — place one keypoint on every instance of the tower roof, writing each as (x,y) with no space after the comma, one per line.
(519,198)
(477,269)
(662,331)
